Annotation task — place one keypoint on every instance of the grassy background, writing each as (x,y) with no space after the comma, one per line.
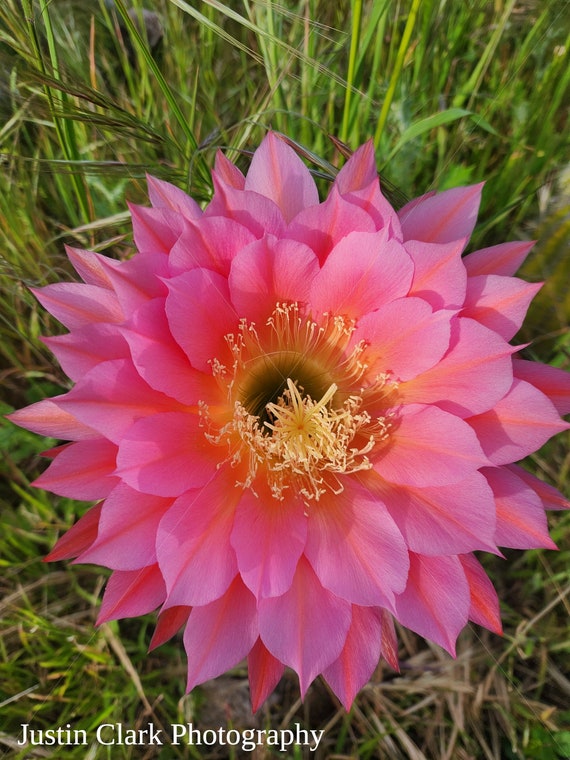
(452,93)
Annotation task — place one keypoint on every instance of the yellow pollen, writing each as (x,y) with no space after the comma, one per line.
(273,428)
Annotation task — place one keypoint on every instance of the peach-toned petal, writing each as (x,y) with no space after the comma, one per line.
(153,348)
(429,447)
(228,172)
(520,423)
(552,381)
(356,549)
(521,521)
(212,244)
(130,593)
(169,622)
(200,323)
(503,259)
(454,383)
(449,519)
(47,418)
(405,337)
(165,195)
(550,497)
(498,302)
(111,396)
(79,537)
(306,627)
(220,634)
(75,304)
(165,454)
(322,227)
(437,601)
(193,542)
(265,671)
(362,272)
(277,172)
(359,657)
(121,543)
(443,217)
(267,567)
(484,609)
(270,271)
(82,470)
(439,274)
(93,268)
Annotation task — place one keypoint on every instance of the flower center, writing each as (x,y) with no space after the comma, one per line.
(295,405)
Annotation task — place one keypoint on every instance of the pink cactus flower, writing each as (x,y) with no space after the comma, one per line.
(298,420)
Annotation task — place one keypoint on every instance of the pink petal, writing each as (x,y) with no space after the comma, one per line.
(355,548)
(455,383)
(153,348)
(93,268)
(111,396)
(256,212)
(75,304)
(550,497)
(200,315)
(322,227)
(437,600)
(165,454)
(81,350)
(127,530)
(306,627)
(270,271)
(359,171)
(503,259)
(484,609)
(439,274)
(441,520)
(169,622)
(193,542)
(228,172)
(362,272)
(358,183)
(277,172)
(155,230)
(429,447)
(48,419)
(78,538)
(521,520)
(264,671)
(212,244)
(518,425)
(83,470)
(268,540)
(220,634)
(165,195)
(499,303)
(359,657)
(131,593)
(443,217)
(389,641)
(404,337)
(552,381)
(140,279)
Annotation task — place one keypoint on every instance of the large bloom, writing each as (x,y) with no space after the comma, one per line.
(299,420)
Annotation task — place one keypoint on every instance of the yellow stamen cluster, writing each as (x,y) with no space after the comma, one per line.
(274,427)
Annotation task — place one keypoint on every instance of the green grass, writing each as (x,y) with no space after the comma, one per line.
(450,93)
